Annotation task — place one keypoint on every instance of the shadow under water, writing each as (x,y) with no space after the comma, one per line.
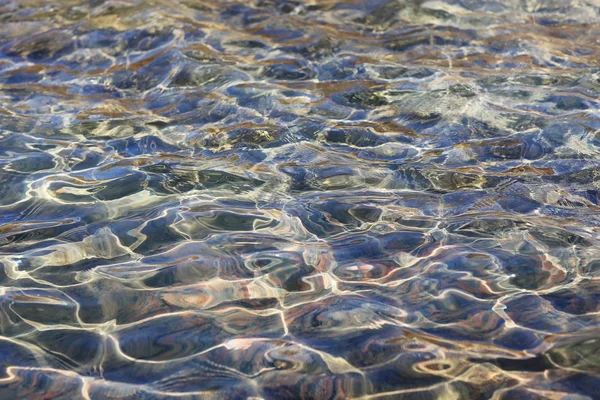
(299,199)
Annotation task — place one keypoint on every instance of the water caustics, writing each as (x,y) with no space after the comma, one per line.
(299,199)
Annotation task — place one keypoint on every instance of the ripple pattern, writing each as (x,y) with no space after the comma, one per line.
(265,199)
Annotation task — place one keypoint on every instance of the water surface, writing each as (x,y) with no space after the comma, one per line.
(299,199)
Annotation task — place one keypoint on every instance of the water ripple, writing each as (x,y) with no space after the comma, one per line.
(296,199)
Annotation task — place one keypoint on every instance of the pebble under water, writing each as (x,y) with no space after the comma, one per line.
(332,199)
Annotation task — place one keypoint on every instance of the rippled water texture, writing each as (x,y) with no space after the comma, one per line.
(311,199)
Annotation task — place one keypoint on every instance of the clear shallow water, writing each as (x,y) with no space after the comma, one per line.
(264,199)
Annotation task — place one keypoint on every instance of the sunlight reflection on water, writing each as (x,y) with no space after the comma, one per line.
(299,199)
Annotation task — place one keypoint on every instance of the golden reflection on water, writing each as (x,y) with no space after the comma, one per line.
(299,199)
